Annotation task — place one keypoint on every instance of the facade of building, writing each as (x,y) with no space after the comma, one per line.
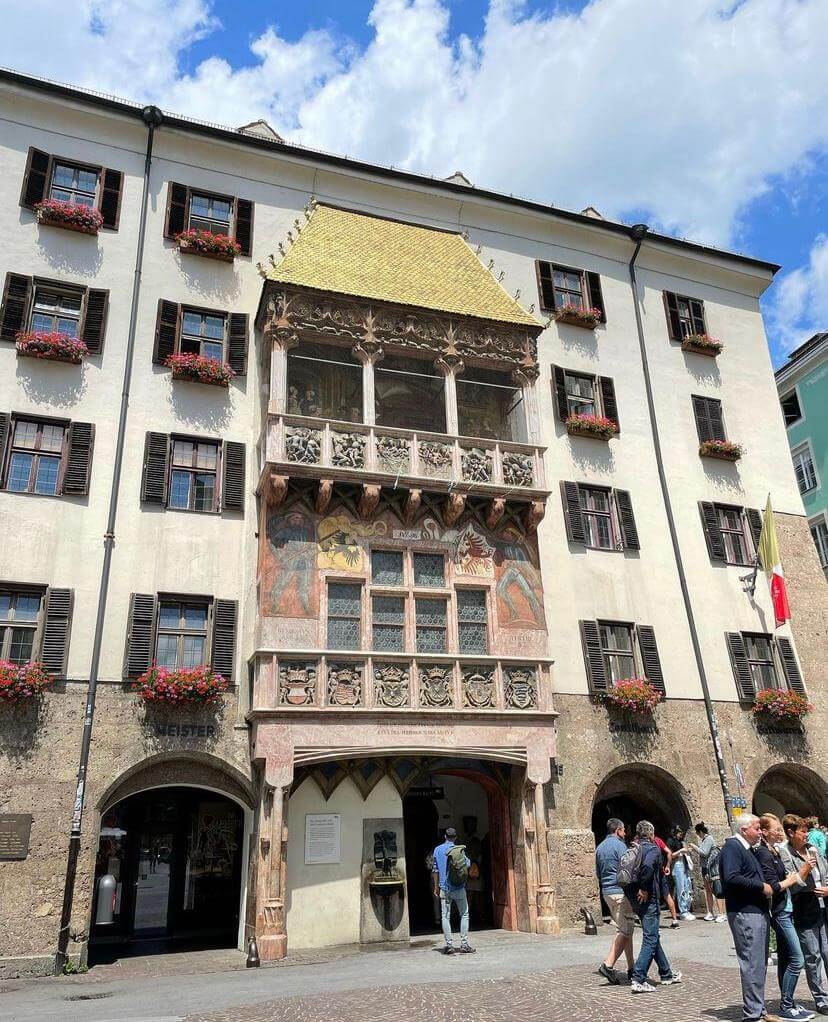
(803,391)
(392,528)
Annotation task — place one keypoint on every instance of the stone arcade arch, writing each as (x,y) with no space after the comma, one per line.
(639,791)
(791,788)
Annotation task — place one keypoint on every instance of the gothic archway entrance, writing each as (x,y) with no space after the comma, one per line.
(639,791)
(791,788)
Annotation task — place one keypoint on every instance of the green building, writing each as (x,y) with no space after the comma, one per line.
(803,392)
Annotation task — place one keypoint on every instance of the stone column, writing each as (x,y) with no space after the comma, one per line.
(451,365)
(547,920)
(369,351)
(525,378)
(279,337)
(271,930)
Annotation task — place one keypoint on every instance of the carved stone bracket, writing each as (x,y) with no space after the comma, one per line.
(368,500)
(453,508)
(412,505)
(495,512)
(533,515)
(275,489)
(324,492)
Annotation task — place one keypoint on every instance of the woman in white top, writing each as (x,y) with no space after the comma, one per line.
(715,906)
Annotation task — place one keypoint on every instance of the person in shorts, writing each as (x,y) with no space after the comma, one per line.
(607,857)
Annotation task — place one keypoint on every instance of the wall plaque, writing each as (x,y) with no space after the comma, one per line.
(322,838)
(15,829)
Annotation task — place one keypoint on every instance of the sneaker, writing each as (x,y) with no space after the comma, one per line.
(467,949)
(610,975)
(709,917)
(804,1014)
(671,980)
(720,919)
(447,950)
(794,1014)
(687,916)
(641,988)
(674,924)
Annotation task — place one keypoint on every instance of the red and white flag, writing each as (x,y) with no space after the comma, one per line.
(771,562)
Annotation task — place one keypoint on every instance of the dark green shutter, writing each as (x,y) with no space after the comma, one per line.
(237,343)
(244,225)
(559,378)
(36,178)
(81,441)
(110,205)
(156,460)
(224,637)
(672,313)
(547,291)
(232,487)
(712,531)
(709,421)
(596,670)
(754,518)
(595,296)
(573,518)
(178,197)
(57,626)
(93,324)
(5,419)
(741,668)
(626,519)
(140,643)
(650,660)
(167,326)
(790,667)
(697,315)
(608,402)
(17,295)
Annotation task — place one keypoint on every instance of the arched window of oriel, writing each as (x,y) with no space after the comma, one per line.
(490,405)
(324,381)
(410,393)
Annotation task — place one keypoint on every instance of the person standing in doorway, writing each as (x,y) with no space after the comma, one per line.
(707,850)
(644,894)
(682,867)
(451,871)
(746,899)
(607,857)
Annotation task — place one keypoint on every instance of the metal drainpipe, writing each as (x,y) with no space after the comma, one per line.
(153,118)
(637,233)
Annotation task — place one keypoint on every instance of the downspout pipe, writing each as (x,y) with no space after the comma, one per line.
(152,118)
(637,235)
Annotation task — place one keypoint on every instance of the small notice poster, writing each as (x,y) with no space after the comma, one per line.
(15,829)
(322,842)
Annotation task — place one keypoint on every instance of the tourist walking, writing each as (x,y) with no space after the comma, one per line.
(451,871)
(816,835)
(790,960)
(644,894)
(682,868)
(607,856)
(809,898)
(708,854)
(666,869)
(746,898)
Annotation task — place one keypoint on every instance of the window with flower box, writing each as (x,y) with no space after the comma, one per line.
(19,617)
(761,661)
(182,634)
(709,418)
(685,316)
(35,624)
(582,394)
(563,287)
(74,183)
(617,650)
(200,210)
(50,306)
(210,333)
(210,213)
(51,457)
(599,517)
(193,473)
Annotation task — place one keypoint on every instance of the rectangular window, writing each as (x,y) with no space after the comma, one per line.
(819,530)
(431,625)
(732,524)
(344,615)
(387,567)
(56,311)
(760,660)
(429,571)
(596,509)
(182,634)
(472,621)
(685,316)
(193,474)
(210,213)
(410,394)
(617,650)
(388,623)
(791,409)
(77,185)
(35,457)
(581,395)
(18,624)
(490,405)
(324,381)
(203,333)
(804,468)
(561,286)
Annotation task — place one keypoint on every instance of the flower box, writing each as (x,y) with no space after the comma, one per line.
(781,705)
(190,685)
(576,315)
(209,245)
(632,695)
(702,344)
(72,217)
(724,450)
(21,682)
(200,369)
(598,427)
(55,347)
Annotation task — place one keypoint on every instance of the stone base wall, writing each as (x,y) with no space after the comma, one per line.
(133,747)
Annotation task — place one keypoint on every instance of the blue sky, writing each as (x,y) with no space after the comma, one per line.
(707,118)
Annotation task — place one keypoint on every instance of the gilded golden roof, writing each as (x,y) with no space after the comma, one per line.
(385,260)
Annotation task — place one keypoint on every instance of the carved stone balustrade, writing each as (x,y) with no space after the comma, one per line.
(334,681)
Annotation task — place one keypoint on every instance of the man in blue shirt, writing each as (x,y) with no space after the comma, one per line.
(452,893)
(645,897)
(607,857)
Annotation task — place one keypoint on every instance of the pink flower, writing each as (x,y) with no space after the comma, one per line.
(199,367)
(22,681)
(44,344)
(187,684)
(69,213)
(205,241)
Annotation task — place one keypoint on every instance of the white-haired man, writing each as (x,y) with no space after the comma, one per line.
(746,900)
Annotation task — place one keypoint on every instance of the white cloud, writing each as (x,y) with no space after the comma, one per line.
(798,307)
(685,112)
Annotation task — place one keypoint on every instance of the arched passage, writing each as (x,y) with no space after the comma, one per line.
(639,791)
(791,788)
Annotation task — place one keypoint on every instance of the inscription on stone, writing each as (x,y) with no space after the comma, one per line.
(183,730)
(15,829)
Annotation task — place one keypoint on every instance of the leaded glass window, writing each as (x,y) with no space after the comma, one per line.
(431,625)
(344,615)
(472,623)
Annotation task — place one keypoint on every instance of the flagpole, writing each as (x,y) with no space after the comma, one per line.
(750,580)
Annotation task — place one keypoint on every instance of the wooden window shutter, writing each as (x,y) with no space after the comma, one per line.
(79,458)
(650,660)
(232,487)
(140,642)
(697,315)
(17,296)
(5,419)
(156,460)
(244,225)
(672,313)
(596,670)
(178,201)
(754,517)
(93,318)
(709,421)
(547,291)
(237,343)
(790,667)
(36,178)
(626,519)
(57,626)
(112,184)
(224,638)
(712,531)
(573,518)
(741,668)
(595,295)
(167,327)
(609,405)
(559,379)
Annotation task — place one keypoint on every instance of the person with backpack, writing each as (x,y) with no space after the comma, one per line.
(640,875)
(709,853)
(607,857)
(451,873)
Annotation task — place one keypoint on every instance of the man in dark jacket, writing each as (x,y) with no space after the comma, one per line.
(645,896)
(746,899)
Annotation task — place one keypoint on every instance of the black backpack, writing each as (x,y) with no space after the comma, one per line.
(629,866)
